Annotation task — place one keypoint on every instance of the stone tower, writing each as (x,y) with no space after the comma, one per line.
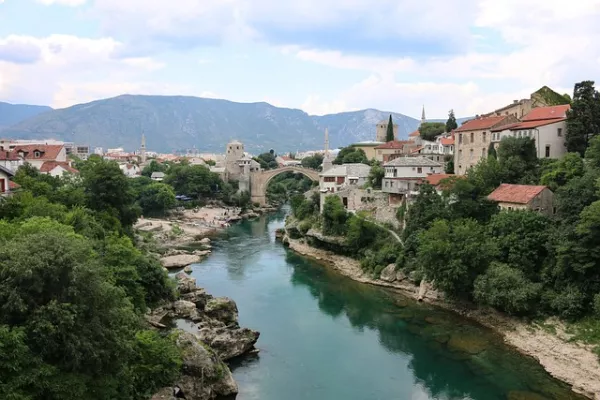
(234,153)
(382,131)
(143,150)
(423,120)
(327,157)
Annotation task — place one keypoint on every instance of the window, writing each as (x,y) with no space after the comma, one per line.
(483,152)
(509,208)
(329,179)
(419,170)
(471,155)
(386,183)
(559,131)
(484,137)
(459,155)
(37,154)
(547,151)
(460,138)
(472,137)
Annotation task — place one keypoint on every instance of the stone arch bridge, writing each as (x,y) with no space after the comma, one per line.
(259,181)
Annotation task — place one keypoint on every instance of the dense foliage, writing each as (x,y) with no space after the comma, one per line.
(287,184)
(351,155)
(267,160)
(451,123)
(75,289)
(429,130)
(520,262)
(583,119)
(313,162)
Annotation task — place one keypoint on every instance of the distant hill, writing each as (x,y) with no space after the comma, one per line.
(11,114)
(175,123)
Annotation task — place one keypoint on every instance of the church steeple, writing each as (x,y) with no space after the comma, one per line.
(326,141)
(423,115)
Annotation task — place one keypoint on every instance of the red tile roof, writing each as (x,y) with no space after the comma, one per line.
(519,194)
(480,124)
(415,134)
(434,179)
(535,124)
(394,144)
(8,156)
(49,151)
(552,112)
(447,141)
(418,149)
(50,165)
(13,185)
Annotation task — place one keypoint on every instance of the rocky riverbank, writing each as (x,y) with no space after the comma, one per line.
(215,338)
(573,363)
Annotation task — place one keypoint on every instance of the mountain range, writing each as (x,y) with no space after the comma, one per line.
(179,123)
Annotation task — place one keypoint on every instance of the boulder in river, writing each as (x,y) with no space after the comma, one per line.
(204,375)
(205,241)
(180,260)
(227,342)
(185,309)
(388,274)
(185,283)
(222,309)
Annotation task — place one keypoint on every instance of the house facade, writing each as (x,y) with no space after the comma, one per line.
(524,197)
(6,185)
(36,155)
(546,125)
(473,138)
(130,170)
(404,175)
(57,169)
(343,176)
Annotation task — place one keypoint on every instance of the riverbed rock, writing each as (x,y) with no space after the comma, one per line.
(188,269)
(222,309)
(179,261)
(205,241)
(400,276)
(185,283)
(388,274)
(204,375)
(229,343)
(185,309)
(469,344)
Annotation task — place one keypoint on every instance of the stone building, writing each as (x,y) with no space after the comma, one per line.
(382,127)
(524,197)
(403,176)
(473,138)
(234,153)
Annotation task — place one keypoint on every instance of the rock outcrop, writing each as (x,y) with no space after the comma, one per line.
(179,260)
(219,338)
(388,274)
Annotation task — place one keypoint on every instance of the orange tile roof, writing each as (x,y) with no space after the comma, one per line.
(50,165)
(480,123)
(447,141)
(551,112)
(394,144)
(519,194)
(50,151)
(415,134)
(534,124)
(8,156)
(434,179)
(417,149)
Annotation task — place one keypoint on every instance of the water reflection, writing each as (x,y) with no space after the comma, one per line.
(450,358)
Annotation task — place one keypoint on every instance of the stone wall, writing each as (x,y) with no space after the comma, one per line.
(373,201)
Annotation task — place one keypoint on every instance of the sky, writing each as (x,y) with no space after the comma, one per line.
(321,56)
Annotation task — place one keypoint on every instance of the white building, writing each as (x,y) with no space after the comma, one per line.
(403,175)
(5,183)
(130,170)
(342,176)
(157,176)
(57,169)
(546,125)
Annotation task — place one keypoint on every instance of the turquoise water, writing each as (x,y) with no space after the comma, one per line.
(325,337)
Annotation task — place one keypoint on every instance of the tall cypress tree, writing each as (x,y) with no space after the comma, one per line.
(492,151)
(583,120)
(389,136)
(451,123)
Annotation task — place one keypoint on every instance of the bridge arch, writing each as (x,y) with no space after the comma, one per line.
(259,181)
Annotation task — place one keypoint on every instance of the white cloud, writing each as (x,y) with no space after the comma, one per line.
(314,105)
(70,3)
(71,69)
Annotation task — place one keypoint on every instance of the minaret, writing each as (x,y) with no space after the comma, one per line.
(327,161)
(423,115)
(143,149)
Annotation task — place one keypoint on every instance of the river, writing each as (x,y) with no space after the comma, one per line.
(324,336)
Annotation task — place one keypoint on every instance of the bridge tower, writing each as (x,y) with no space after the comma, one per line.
(234,153)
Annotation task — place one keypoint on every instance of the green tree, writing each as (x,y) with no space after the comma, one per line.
(267,160)
(389,135)
(522,239)
(572,198)
(583,119)
(454,254)
(360,233)
(563,170)
(108,189)
(429,130)
(592,154)
(153,166)
(518,159)
(334,216)
(156,199)
(376,175)
(195,181)
(351,154)
(451,122)
(507,289)
(313,162)
(492,151)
